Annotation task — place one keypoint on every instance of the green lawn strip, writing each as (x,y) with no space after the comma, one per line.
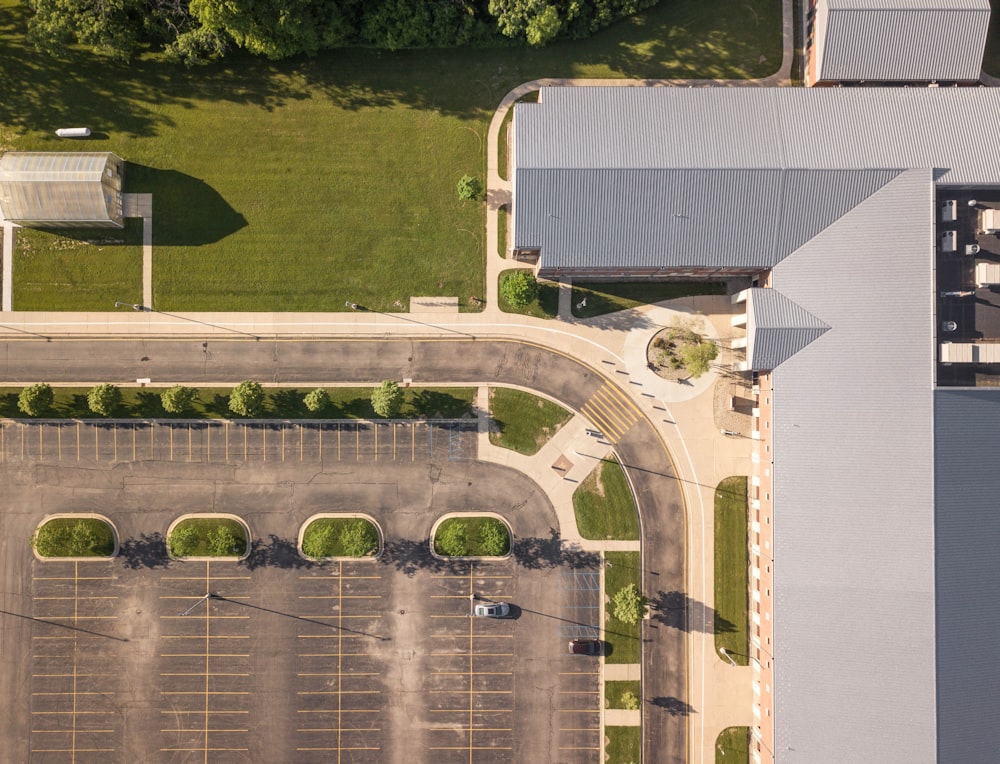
(333,543)
(302,184)
(59,531)
(624,745)
(732,746)
(523,422)
(610,297)
(732,629)
(613,692)
(604,506)
(622,637)
(545,304)
(502,232)
(473,526)
(503,145)
(203,526)
(89,269)
(282,403)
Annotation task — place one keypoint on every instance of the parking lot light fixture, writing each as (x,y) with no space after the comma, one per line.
(206,598)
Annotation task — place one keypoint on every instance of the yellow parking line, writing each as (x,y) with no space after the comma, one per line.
(338,711)
(79,732)
(375,428)
(469,748)
(72,751)
(332,729)
(199,711)
(338,692)
(78,441)
(357,443)
(206,750)
(301,447)
(264,450)
(342,748)
(200,673)
(227,441)
(466,729)
(332,673)
(74,713)
(206,730)
(201,692)
(478,710)
(204,655)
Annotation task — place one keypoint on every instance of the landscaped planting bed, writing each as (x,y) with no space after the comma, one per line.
(204,536)
(616,694)
(74,537)
(472,536)
(339,537)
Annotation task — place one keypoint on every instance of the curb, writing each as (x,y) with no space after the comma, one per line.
(211,515)
(470,558)
(338,516)
(78,515)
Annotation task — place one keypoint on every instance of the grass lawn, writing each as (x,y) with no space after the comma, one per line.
(732,627)
(604,506)
(282,403)
(523,422)
(75,537)
(732,746)
(545,304)
(302,184)
(624,745)
(613,692)
(203,528)
(502,232)
(622,637)
(324,537)
(611,297)
(474,545)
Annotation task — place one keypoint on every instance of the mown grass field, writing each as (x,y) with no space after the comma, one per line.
(622,569)
(523,422)
(604,506)
(303,184)
(732,585)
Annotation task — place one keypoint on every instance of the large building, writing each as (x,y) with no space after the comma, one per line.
(864,219)
(53,189)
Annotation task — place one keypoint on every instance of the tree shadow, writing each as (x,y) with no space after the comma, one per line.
(678,611)
(186,210)
(219,405)
(289,404)
(277,553)
(146,551)
(437,404)
(673,706)
(539,553)
(150,405)
(408,556)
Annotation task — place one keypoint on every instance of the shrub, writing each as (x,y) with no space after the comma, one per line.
(183,540)
(36,399)
(630,701)
(387,399)
(358,538)
(104,399)
(222,541)
(450,539)
(247,398)
(178,399)
(317,400)
(470,188)
(494,540)
(697,358)
(630,605)
(519,288)
(319,539)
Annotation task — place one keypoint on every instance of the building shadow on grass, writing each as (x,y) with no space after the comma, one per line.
(186,210)
(678,611)
(146,551)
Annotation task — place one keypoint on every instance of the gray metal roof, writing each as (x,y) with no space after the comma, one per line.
(853,450)
(777,328)
(912,40)
(668,218)
(61,187)
(967,571)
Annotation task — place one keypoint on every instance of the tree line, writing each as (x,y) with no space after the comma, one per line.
(196,31)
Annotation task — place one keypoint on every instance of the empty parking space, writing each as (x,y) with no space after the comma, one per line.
(579,694)
(97,442)
(75,687)
(205,676)
(470,680)
(340,697)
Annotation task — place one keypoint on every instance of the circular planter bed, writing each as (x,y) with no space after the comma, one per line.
(347,536)
(83,536)
(680,352)
(208,536)
(471,534)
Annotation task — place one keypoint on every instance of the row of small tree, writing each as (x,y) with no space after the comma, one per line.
(247,399)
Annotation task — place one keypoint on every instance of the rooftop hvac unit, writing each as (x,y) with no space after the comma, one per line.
(949,241)
(949,211)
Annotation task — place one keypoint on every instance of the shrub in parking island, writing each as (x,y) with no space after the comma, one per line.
(104,400)
(178,399)
(317,400)
(74,537)
(208,537)
(36,399)
(472,536)
(247,398)
(387,399)
(339,537)
(183,540)
(450,538)
(494,541)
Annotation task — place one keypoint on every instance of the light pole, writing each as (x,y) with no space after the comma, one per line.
(356,306)
(726,655)
(206,598)
(147,309)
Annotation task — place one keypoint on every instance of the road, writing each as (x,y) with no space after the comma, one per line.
(459,361)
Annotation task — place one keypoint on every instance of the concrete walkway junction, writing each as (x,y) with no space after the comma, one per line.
(614,345)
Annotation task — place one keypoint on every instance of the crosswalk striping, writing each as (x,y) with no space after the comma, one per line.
(610,412)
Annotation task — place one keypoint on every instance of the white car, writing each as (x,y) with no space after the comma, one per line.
(492,610)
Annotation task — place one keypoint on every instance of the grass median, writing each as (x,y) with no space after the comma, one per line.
(523,422)
(624,745)
(472,536)
(732,585)
(621,569)
(616,694)
(208,537)
(340,537)
(604,506)
(74,537)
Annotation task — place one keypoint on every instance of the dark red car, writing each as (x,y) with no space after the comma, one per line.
(585,646)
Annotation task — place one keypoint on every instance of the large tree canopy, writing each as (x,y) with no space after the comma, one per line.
(199,30)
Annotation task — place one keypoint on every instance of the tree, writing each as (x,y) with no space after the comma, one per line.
(82,539)
(178,399)
(222,541)
(630,605)
(36,399)
(543,27)
(519,288)
(319,539)
(470,188)
(358,538)
(107,26)
(183,540)
(494,540)
(247,398)
(387,399)
(630,701)
(317,400)
(697,357)
(105,399)
(450,538)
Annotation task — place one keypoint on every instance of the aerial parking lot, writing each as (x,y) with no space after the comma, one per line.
(276,658)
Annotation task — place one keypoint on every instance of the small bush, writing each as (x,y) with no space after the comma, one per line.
(208,537)
(387,399)
(104,400)
(451,540)
(319,539)
(339,537)
(222,541)
(470,188)
(247,398)
(519,288)
(36,399)
(358,538)
(494,540)
(178,399)
(317,400)
(630,701)
(183,540)
(629,605)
